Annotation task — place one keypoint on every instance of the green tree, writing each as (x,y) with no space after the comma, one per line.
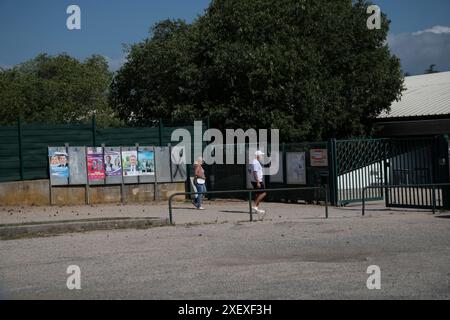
(57,89)
(308,68)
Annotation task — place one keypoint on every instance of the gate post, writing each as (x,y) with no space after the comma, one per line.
(443,174)
(94,129)
(19,136)
(333,173)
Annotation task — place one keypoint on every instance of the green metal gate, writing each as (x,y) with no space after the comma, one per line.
(417,161)
(376,162)
(357,164)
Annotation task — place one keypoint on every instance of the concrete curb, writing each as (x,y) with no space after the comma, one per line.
(39,229)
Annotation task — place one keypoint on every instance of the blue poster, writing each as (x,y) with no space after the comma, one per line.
(59,164)
(146,162)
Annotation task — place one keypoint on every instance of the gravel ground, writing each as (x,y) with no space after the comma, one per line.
(290,253)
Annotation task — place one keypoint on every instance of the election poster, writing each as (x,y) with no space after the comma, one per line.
(296,169)
(59,164)
(113,163)
(96,170)
(146,162)
(130,163)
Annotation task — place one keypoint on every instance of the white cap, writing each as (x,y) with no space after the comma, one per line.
(259,153)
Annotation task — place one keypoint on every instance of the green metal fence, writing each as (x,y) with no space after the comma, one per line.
(234,176)
(358,163)
(23,147)
(363,163)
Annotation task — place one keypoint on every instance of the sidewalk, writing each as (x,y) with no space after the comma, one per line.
(115,216)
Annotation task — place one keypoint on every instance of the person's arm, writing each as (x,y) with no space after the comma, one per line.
(198,172)
(255,175)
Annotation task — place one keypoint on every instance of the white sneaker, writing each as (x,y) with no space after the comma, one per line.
(255,210)
(261,211)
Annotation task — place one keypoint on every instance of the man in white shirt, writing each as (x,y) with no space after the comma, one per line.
(257,179)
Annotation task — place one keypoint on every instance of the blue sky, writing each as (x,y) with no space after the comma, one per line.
(28,28)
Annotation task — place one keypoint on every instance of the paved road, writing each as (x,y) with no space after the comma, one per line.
(284,257)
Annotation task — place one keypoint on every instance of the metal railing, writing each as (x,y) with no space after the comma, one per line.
(250,198)
(433,187)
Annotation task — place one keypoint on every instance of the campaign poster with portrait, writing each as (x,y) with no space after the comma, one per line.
(59,164)
(96,170)
(113,163)
(146,162)
(130,163)
(295,168)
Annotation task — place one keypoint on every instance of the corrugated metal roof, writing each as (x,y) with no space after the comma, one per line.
(425,95)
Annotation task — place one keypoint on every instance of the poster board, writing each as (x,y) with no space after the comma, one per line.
(77,172)
(278,177)
(295,168)
(130,165)
(178,163)
(162,162)
(59,170)
(318,157)
(146,164)
(113,165)
(95,165)
(248,170)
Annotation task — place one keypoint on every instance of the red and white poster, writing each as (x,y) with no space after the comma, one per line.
(319,157)
(96,169)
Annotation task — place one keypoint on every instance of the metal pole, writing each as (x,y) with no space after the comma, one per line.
(250,205)
(434,199)
(155,185)
(94,129)
(160,131)
(249,192)
(121,178)
(19,136)
(326,201)
(50,182)
(170,210)
(88,200)
(363,201)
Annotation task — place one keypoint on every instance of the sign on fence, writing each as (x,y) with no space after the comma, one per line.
(96,169)
(59,165)
(115,165)
(318,157)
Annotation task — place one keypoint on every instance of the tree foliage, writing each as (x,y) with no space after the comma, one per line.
(57,89)
(308,67)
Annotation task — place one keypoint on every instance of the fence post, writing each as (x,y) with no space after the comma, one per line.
(250,205)
(94,129)
(363,201)
(283,152)
(333,172)
(434,199)
(19,136)
(160,131)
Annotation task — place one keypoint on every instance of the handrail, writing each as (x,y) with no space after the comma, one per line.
(426,185)
(250,192)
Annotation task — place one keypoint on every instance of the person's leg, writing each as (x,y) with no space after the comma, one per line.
(197,196)
(201,188)
(255,187)
(260,198)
